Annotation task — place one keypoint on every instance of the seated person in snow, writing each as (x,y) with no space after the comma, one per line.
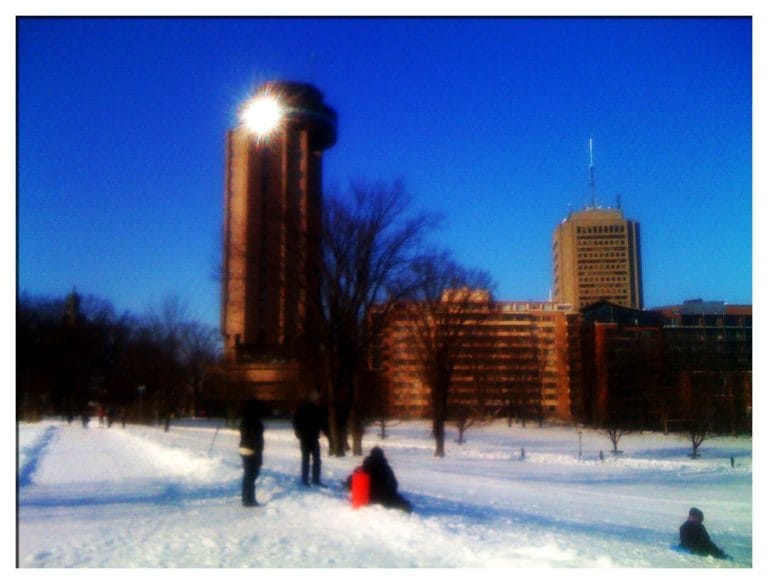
(383,484)
(694,536)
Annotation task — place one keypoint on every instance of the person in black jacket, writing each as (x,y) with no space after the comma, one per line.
(251,449)
(309,420)
(694,536)
(383,484)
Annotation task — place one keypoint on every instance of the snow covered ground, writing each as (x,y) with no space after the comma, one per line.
(140,497)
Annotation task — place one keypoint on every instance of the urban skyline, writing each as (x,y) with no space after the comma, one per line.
(496,139)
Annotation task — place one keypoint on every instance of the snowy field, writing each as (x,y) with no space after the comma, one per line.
(139,497)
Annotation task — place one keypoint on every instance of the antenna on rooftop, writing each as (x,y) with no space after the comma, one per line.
(592,176)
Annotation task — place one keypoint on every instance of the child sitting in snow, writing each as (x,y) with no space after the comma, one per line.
(383,484)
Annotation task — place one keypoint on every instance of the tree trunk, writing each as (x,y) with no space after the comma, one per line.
(439,432)
(440,408)
(335,427)
(356,427)
(338,438)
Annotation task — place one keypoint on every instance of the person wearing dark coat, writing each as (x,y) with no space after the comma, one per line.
(251,449)
(309,420)
(694,536)
(383,484)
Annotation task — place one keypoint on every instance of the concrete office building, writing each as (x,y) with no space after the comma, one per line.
(596,256)
(272,223)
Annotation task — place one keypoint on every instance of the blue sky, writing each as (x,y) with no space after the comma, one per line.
(121,126)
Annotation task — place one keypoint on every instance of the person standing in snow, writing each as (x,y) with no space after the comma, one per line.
(251,448)
(694,536)
(383,484)
(309,420)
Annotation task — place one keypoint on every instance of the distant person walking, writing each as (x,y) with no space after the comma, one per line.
(309,420)
(694,536)
(251,449)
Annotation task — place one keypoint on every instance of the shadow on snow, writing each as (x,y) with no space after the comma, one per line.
(34,454)
(165,493)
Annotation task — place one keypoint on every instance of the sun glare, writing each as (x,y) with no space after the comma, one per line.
(262,115)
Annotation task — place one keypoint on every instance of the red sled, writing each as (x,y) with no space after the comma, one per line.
(361,488)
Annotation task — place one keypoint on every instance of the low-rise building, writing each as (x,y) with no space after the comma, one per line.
(666,368)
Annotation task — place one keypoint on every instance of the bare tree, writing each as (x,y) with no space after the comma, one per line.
(618,421)
(697,433)
(384,423)
(377,402)
(615,434)
(166,324)
(464,416)
(200,347)
(369,240)
(478,371)
(439,318)
(697,403)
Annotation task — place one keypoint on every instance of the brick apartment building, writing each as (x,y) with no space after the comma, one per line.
(605,365)
(515,360)
(660,369)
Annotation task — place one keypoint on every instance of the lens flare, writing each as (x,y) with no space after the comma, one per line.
(262,115)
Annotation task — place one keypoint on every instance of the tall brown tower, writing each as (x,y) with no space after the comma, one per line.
(596,256)
(273,206)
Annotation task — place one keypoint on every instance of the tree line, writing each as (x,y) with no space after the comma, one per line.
(76,353)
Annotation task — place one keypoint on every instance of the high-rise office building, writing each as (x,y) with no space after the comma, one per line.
(272,224)
(596,256)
